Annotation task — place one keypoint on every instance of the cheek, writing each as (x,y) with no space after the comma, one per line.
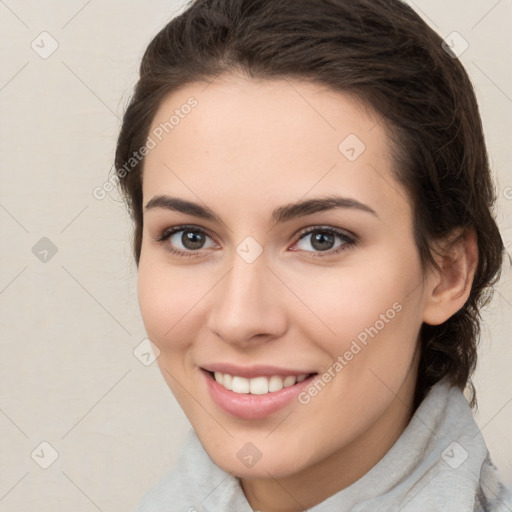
(349,300)
(369,314)
(166,299)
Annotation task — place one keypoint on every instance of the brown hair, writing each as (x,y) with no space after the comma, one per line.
(382,52)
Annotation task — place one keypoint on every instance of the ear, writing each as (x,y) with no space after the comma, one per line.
(449,289)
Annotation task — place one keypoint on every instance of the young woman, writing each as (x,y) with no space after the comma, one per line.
(314,236)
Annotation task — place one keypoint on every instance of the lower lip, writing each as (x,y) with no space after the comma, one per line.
(252,407)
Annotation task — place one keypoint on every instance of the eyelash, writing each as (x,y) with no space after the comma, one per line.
(349,241)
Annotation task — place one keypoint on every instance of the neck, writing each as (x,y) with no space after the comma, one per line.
(341,469)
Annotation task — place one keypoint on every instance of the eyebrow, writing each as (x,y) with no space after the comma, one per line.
(279,215)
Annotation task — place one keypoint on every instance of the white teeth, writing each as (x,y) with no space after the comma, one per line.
(289,381)
(240,385)
(275,383)
(228,381)
(257,385)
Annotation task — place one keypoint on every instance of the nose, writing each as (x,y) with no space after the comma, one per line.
(248,304)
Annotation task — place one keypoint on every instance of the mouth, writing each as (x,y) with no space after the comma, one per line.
(261,385)
(255,397)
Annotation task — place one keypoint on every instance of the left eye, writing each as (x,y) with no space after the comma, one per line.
(190,239)
(324,240)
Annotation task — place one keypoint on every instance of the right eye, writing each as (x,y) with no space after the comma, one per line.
(184,241)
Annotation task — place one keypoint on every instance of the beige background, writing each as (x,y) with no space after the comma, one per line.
(68,374)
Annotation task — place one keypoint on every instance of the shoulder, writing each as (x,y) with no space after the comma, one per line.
(157,498)
(182,483)
(195,484)
(171,490)
(492,495)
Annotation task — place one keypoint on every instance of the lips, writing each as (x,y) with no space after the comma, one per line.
(255,371)
(256,392)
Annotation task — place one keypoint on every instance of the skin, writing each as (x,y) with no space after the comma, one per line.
(248,147)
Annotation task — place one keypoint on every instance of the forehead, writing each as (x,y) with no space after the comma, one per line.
(267,141)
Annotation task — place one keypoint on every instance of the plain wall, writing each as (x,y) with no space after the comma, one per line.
(70,320)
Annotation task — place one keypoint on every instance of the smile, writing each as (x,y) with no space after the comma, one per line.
(257,385)
(254,396)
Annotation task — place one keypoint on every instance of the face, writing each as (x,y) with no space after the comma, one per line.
(308,316)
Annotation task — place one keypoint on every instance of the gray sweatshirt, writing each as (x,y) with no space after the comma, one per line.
(440,463)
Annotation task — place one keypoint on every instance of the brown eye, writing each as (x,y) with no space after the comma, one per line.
(185,241)
(323,239)
(192,240)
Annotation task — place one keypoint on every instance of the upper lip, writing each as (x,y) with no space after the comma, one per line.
(253,371)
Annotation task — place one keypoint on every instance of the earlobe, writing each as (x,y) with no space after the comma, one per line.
(449,288)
